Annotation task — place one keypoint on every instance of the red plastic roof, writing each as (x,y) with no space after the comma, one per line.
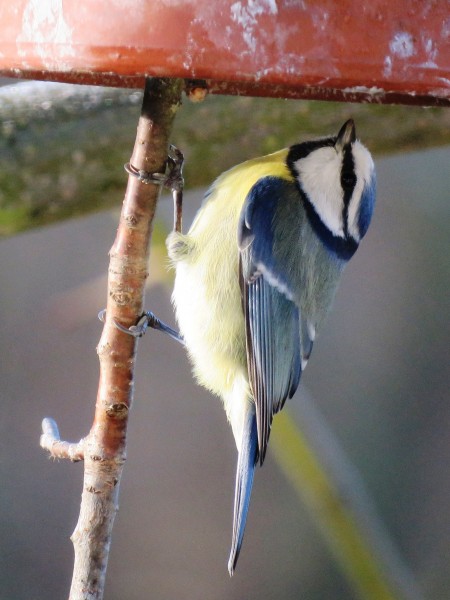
(379,50)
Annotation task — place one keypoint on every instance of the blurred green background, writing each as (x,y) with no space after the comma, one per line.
(62,147)
(379,372)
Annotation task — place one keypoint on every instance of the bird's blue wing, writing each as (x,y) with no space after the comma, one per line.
(278,342)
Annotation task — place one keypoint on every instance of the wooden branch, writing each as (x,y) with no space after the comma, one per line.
(51,441)
(105,446)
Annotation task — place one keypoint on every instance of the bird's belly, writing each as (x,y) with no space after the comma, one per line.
(209,312)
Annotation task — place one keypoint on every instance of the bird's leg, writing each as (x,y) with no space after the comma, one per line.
(148,319)
(175,182)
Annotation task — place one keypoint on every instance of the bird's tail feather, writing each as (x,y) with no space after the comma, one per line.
(248,455)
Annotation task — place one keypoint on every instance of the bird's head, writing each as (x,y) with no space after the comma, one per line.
(336,177)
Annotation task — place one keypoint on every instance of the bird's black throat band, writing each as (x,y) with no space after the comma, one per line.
(343,248)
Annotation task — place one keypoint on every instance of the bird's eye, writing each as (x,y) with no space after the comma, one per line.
(348,180)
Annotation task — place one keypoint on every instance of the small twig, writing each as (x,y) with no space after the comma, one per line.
(51,441)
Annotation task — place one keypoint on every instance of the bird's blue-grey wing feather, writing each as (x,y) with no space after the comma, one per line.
(277,338)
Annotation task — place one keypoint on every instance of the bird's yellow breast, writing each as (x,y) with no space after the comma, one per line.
(228,193)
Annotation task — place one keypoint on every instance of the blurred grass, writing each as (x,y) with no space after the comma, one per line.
(372,574)
(59,163)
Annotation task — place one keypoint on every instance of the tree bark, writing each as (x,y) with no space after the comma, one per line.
(105,445)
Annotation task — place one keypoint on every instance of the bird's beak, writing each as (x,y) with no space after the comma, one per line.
(346,135)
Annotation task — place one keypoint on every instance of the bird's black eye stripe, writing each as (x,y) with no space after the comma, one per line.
(348,182)
(348,175)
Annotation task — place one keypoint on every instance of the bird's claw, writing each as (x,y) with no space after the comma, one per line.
(146,320)
(173,179)
(137,330)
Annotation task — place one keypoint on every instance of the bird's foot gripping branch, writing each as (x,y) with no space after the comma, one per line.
(172,179)
(148,319)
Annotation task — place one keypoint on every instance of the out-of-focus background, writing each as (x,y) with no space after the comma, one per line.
(379,372)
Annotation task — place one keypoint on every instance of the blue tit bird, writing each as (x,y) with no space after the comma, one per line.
(256,275)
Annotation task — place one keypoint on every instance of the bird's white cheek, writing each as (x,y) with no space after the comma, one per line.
(319,177)
(328,204)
